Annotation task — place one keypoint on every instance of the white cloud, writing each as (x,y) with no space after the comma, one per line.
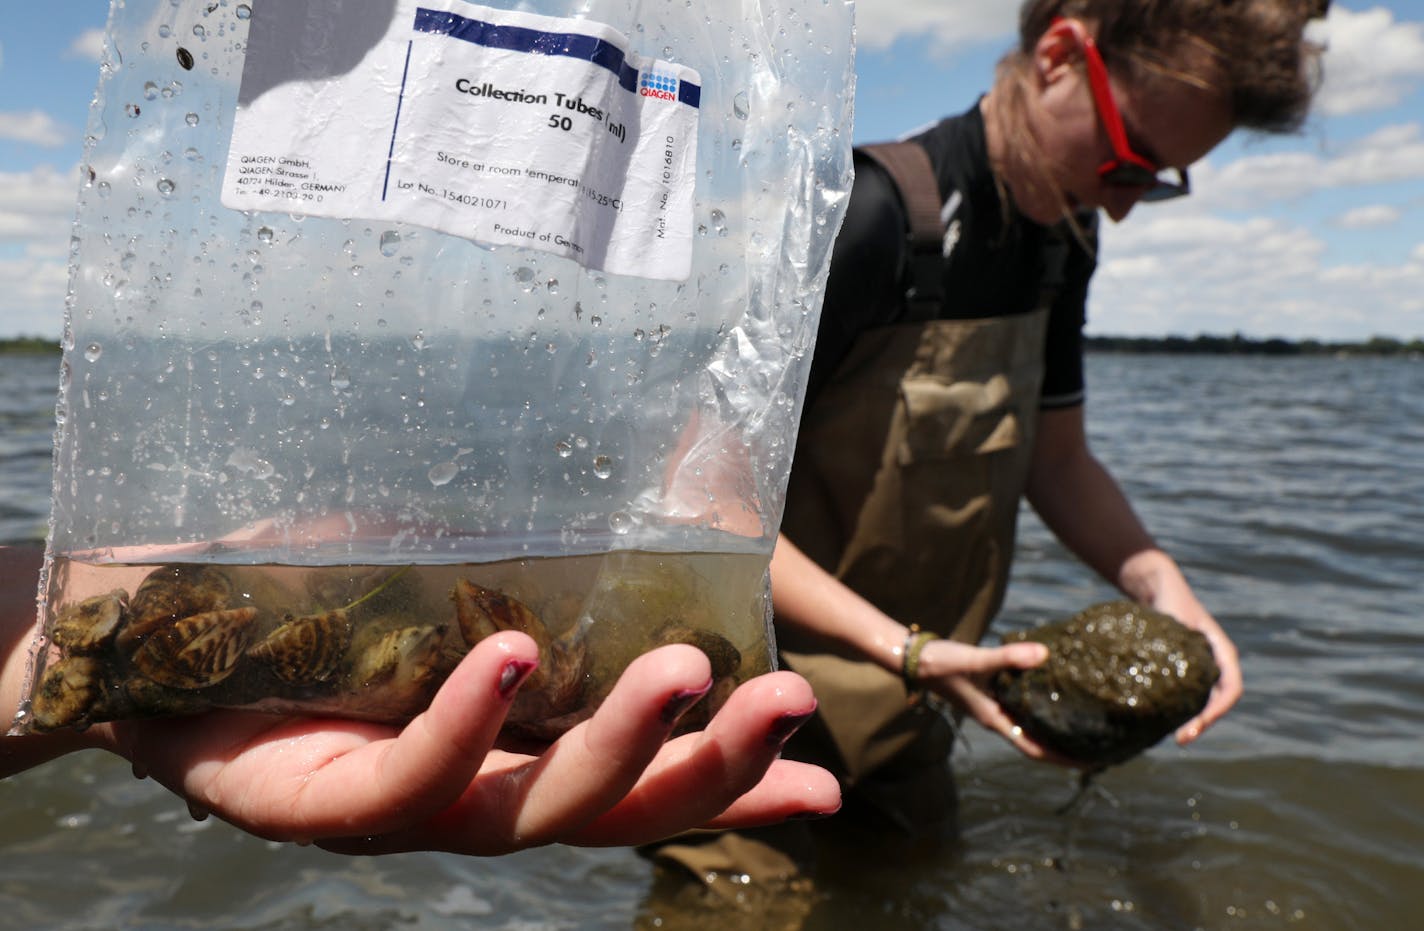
(88,45)
(37,209)
(949,23)
(32,290)
(1181,271)
(36,215)
(1366,217)
(1387,156)
(35,127)
(1371,61)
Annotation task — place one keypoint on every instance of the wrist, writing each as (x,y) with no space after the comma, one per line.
(1144,575)
(912,655)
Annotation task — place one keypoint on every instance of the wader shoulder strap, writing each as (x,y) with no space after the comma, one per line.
(909,167)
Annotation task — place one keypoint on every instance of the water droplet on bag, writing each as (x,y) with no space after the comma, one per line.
(244,11)
(602,466)
(620,522)
(564,448)
(150,90)
(741,105)
(264,235)
(443,473)
(341,379)
(249,462)
(390,242)
(92,352)
(719,222)
(166,187)
(191,119)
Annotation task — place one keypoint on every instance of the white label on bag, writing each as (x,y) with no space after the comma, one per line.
(503,127)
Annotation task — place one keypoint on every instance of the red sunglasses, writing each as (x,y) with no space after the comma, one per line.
(1126,168)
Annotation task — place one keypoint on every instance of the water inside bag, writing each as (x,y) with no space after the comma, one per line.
(442,288)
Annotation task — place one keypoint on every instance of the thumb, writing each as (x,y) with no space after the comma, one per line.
(1024,655)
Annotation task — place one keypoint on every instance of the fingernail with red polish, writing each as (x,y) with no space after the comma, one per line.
(678,703)
(512,675)
(786,725)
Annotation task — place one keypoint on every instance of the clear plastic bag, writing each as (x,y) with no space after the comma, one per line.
(393,323)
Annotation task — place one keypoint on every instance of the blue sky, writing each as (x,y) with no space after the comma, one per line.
(1317,235)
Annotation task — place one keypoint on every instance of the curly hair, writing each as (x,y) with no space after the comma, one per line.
(1258,56)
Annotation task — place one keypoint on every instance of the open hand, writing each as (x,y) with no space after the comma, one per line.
(438,783)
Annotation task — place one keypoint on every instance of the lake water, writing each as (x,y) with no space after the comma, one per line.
(1291,490)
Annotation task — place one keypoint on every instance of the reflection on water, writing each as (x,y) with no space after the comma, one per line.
(27,396)
(1291,491)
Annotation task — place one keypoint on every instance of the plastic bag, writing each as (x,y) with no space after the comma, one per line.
(394,323)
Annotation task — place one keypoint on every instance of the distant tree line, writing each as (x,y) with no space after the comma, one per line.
(1237,344)
(28,344)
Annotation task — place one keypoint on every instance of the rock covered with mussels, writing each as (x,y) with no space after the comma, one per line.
(368,644)
(1119,677)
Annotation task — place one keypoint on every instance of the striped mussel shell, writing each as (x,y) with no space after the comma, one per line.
(305,650)
(197,651)
(171,593)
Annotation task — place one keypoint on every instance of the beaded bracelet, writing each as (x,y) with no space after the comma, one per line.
(915,641)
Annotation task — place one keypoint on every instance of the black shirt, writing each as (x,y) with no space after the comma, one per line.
(998,263)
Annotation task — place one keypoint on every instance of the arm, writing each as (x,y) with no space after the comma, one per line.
(1085,508)
(439,783)
(816,603)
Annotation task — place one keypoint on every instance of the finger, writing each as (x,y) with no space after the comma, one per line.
(990,714)
(950,658)
(520,802)
(1224,695)
(591,768)
(698,777)
(309,778)
(387,785)
(788,790)
(1022,655)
